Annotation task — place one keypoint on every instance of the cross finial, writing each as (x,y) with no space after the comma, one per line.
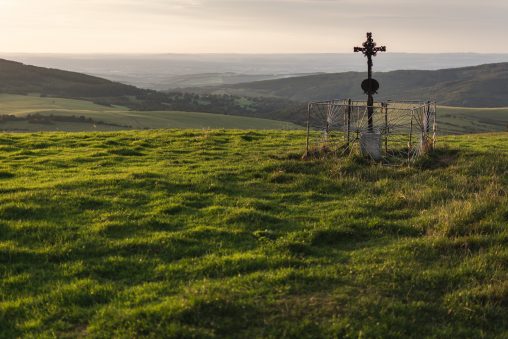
(369,47)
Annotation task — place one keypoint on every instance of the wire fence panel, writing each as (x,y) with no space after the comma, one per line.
(403,130)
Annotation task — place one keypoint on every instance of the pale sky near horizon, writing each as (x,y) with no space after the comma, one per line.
(251,26)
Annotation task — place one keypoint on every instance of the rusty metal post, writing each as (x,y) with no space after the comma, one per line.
(427,118)
(385,105)
(410,144)
(308,128)
(434,127)
(349,103)
(328,118)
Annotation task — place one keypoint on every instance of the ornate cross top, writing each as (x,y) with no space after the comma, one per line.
(369,47)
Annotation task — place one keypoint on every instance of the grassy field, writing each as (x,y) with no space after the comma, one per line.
(229,234)
(125,119)
(460,120)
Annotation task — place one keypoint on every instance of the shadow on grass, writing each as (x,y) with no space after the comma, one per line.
(439,158)
(6,175)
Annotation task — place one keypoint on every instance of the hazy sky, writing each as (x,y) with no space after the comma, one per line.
(251,26)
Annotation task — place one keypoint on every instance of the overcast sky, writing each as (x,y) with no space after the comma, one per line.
(251,26)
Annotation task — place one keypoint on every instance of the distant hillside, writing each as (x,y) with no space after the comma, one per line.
(171,71)
(165,82)
(274,100)
(17,78)
(479,86)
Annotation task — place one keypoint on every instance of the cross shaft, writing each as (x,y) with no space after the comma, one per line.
(370,50)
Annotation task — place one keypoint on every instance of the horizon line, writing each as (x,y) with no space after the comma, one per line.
(238,53)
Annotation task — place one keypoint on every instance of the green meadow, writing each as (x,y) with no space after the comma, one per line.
(460,120)
(215,233)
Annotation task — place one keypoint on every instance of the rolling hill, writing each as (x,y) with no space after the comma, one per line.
(17,78)
(479,86)
(98,104)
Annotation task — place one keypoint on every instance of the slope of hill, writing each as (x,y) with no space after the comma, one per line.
(228,234)
(58,114)
(479,86)
(164,82)
(17,78)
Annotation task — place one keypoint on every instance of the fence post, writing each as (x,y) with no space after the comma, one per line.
(410,145)
(434,127)
(385,105)
(308,129)
(348,121)
(328,118)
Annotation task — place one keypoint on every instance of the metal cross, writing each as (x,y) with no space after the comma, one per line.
(370,50)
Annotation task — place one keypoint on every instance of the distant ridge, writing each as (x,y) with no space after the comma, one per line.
(166,71)
(282,99)
(477,86)
(18,78)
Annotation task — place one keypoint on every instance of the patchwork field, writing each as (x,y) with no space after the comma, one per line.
(229,234)
(451,120)
(460,120)
(117,118)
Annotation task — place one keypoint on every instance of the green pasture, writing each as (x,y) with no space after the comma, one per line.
(215,233)
(461,120)
(122,117)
